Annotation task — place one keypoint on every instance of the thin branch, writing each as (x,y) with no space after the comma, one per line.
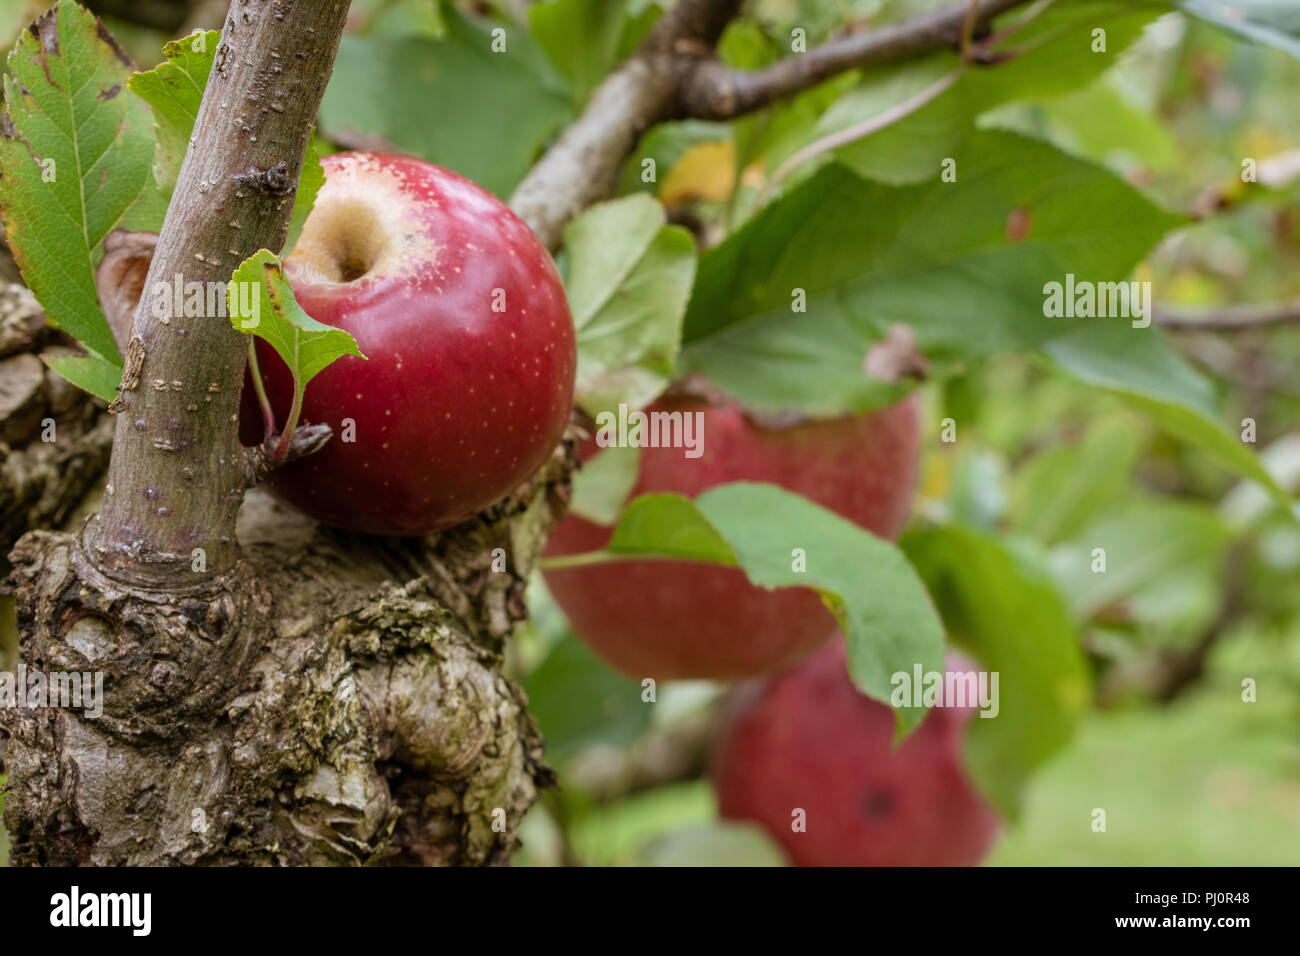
(1231,318)
(581,168)
(968,32)
(712,90)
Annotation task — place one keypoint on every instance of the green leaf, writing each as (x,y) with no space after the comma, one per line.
(579,701)
(584,38)
(1003,608)
(1138,366)
(310,181)
(880,604)
(174,91)
(92,373)
(628,279)
(1271,22)
(74,160)
(668,525)
(1059,491)
(935,256)
(602,485)
(275,316)
(452,101)
(1057,57)
(1100,122)
(666,144)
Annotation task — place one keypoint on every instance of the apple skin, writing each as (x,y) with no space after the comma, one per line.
(682,620)
(458,404)
(808,739)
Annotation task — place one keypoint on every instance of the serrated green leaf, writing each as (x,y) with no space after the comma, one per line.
(75,159)
(880,603)
(174,91)
(90,372)
(628,277)
(1002,607)
(668,525)
(307,346)
(937,257)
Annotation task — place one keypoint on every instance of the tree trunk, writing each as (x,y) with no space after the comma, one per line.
(340,702)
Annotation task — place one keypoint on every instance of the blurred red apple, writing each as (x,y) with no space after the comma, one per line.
(673,619)
(809,740)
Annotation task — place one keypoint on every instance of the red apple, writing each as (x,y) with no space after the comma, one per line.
(672,619)
(470,343)
(808,740)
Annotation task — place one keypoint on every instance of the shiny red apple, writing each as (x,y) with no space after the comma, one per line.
(809,758)
(471,350)
(672,619)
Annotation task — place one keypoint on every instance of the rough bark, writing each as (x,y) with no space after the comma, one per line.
(42,483)
(345,705)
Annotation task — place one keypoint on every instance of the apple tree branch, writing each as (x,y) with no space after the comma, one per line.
(676,75)
(178,473)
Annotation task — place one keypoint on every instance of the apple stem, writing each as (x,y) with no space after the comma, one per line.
(282,449)
(268,416)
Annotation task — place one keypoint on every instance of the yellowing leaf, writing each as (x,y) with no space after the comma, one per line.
(706,171)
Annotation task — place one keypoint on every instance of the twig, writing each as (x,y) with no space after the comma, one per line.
(581,168)
(968,32)
(712,90)
(1231,318)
